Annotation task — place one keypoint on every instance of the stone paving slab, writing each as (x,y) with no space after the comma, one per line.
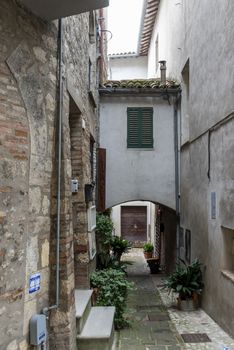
(149,308)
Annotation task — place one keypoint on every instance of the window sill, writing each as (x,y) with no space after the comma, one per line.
(228,274)
(140,149)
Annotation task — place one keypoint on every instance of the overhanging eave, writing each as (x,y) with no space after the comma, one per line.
(54,9)
(138,91)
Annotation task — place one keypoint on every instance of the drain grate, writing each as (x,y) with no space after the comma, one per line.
(195,338)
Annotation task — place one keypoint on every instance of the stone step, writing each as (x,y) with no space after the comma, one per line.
(83,307)
(98,331)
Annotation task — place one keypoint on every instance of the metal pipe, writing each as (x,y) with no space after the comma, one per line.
(59,161)
(163,69)
(177,172)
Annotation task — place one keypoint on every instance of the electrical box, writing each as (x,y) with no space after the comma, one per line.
(37,329)
(74,185)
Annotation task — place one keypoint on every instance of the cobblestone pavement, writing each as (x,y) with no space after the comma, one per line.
(155,322)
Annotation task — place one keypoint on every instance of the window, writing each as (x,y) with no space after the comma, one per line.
(140,127)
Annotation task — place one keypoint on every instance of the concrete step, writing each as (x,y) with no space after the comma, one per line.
(98,331)
(83,307)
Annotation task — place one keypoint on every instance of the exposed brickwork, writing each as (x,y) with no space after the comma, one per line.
(28,117)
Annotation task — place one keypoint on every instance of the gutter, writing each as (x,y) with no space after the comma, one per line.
(177,169)
(59,161)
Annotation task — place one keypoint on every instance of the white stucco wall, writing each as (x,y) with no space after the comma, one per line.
(127,68)
(133,174)
(116,217)
(167,28)
(208,43)
(203,32)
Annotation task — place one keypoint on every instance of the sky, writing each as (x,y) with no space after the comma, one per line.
(124,18)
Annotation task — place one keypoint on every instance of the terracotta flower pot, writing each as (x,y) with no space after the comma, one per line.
(148,255)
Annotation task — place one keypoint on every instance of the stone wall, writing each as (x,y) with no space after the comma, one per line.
(28,113)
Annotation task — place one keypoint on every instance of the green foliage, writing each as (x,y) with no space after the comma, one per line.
(148,247)
(186,279)
(119,246)
(107,261)
(104,228)
(113,290)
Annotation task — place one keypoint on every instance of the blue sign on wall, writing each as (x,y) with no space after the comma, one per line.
(34,283)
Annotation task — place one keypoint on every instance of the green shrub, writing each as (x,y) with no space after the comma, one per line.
(113,287)
(148,247)
(119,246)
(104,228)
(186,279)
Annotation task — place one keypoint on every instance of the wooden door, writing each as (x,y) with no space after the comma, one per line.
(134,223)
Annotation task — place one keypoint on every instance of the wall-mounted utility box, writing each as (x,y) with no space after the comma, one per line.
(74,185)
(37,329)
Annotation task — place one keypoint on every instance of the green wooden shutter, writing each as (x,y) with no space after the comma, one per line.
(140,127)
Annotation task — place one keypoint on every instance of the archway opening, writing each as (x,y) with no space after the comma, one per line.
(146,221)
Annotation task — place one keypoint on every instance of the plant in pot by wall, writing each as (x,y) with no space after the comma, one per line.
(119,246)
(148,250)
(186,280)
(154,265)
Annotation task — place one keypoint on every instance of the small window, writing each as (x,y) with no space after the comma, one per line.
(140,127)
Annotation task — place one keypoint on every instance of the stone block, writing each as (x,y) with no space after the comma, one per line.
(45,250)
(12,346)
(30,308)
(23,345)
(35,200)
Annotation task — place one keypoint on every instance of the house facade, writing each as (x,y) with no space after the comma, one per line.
(138,120)
(199,53)
(48,116)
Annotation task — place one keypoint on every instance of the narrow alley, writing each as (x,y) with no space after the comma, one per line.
(155,322)
(116,143)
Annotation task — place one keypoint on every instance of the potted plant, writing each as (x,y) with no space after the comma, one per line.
(154,265)
(148,250)
(119,246)
(186,280)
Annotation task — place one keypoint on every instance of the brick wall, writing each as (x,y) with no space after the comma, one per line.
(28,88)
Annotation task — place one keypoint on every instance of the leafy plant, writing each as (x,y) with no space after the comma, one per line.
(113,288)
(111,262)
(119,246)
(148,247)
(104,228)
(186,279)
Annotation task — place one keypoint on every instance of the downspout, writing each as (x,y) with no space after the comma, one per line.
(59,161)
(177,171)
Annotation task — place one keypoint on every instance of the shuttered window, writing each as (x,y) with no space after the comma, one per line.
(140,127)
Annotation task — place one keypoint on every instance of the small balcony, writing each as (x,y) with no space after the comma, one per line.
(54,9)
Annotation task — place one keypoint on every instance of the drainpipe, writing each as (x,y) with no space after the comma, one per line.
(59,160)
(177,172)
